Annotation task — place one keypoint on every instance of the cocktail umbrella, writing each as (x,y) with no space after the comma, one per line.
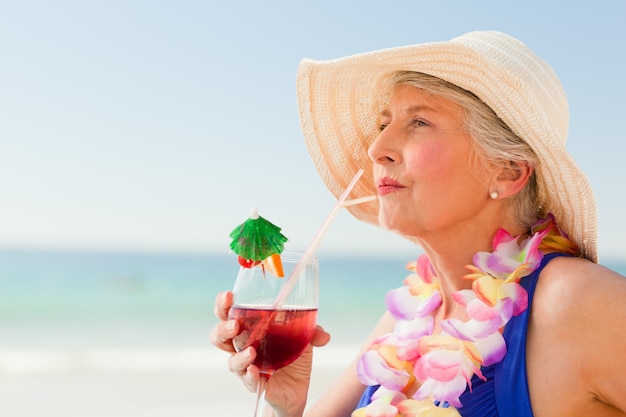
(256,241)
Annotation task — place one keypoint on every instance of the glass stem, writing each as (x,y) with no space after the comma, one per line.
(260,394)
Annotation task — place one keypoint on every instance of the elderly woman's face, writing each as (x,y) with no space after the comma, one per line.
(422,165)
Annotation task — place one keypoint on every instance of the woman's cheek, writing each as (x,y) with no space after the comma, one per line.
(429,161)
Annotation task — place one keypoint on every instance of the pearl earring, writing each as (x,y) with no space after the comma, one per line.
(494,195)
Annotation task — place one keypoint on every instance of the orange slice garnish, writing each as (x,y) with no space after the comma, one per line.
(274,265)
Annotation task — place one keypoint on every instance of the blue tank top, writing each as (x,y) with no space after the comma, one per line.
(504,393)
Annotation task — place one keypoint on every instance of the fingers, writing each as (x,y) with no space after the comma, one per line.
(222,334)
(224,331)
(223,302)
(251,378)
(320,337)
(241,364)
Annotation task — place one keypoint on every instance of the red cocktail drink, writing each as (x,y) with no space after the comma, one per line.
(279,337)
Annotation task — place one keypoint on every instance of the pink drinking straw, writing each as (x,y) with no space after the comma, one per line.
(295,274)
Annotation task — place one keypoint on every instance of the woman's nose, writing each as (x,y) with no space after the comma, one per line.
(384,149)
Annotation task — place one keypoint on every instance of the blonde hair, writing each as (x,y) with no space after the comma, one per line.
(493,141)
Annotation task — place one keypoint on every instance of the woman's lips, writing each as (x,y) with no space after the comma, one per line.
(388,185)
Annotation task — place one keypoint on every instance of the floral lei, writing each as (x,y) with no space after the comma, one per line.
(424,374)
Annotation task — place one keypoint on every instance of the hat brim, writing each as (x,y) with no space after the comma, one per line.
(339,103)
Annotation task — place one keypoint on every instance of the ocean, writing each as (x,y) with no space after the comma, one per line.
(126,334)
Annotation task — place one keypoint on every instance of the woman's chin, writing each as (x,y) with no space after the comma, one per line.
(396,225)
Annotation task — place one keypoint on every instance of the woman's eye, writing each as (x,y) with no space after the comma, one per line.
(382,127)
(419,122)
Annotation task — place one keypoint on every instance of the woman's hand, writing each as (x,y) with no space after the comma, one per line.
(288,387)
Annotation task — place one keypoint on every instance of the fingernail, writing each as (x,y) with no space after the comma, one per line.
(230,325)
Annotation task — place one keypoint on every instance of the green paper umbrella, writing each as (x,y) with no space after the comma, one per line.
(257,239)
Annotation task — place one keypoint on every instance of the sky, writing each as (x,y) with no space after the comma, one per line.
(159,126)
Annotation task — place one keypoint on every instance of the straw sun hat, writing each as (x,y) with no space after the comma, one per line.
(339,103)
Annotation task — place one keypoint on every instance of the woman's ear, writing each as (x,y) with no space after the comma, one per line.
(511,178)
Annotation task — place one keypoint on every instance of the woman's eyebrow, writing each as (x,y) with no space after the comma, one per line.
(412,109)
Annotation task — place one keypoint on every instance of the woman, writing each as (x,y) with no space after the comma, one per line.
(464,144)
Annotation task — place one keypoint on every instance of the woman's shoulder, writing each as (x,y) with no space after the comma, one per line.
(572,280)
(569,285)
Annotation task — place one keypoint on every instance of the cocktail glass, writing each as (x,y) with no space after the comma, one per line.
(279,333)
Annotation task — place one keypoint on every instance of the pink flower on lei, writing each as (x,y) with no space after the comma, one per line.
(496,295)
(420,294)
